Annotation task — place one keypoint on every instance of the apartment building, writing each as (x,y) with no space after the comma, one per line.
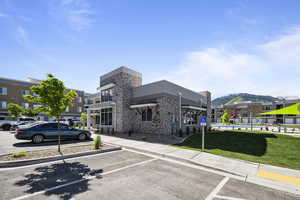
(243,112)
(12,91)
(123,103)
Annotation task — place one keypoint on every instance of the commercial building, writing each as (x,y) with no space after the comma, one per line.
(243,112)
(162,107)
(12,91)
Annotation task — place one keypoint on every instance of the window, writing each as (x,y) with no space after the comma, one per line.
(190,117)
(25,105)
(3,91)
(106,95)
(147,115)
(106,116)
(79,109)
(79,99)
(3,105)
(25,92)
(49,126)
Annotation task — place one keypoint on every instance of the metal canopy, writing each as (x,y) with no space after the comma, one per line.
(194,108)
(143,105)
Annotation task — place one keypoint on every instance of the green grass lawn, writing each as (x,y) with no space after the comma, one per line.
(268,148)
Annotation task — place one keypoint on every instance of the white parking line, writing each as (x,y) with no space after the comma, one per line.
(227,198)
(215,191)
(81,180)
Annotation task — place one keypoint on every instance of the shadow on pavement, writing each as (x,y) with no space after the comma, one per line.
(240,142)
(54,175)
(49,143)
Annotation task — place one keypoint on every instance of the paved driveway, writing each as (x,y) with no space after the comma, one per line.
(127,175)
(9,144)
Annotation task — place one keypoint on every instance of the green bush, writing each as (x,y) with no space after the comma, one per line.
(187,130)
(180,133)
(194,130)
(19,154)
(97,142)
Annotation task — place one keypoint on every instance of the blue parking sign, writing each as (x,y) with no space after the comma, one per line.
(203,121)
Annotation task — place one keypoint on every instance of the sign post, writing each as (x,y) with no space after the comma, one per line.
(203,124)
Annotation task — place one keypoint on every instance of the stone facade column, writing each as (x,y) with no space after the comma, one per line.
(88,120)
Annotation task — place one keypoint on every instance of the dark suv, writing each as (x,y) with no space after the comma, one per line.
(38,132)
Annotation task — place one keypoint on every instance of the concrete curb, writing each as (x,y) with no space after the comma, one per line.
(20,163)
(180,159)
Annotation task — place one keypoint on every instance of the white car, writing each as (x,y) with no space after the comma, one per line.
(7,123)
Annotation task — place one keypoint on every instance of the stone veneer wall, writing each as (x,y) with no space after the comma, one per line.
(122,94)
(168,106)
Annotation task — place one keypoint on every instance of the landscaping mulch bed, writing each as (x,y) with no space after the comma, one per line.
(53,152)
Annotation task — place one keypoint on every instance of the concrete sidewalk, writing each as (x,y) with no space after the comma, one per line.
(271,176)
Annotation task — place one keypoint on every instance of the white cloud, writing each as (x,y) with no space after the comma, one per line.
(22,36)
(77,13)
(272,68)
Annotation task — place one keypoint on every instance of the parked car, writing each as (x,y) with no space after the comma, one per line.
(6,123)
(24,123)
(38,132)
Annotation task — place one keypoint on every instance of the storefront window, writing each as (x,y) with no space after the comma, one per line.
(106,116)
(190,117)
(147,114)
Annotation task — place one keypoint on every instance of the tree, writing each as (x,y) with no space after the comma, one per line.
(31,112)
(83,118)
(225,117)
(52,97)
(15,110)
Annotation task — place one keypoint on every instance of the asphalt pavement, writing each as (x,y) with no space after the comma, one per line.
(127,175)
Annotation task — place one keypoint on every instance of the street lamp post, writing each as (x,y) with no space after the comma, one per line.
(179,93)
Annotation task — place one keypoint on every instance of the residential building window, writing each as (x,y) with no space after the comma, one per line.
(67,109)
(79,109)
(79,99)
(3,105)
(86,101)
(106,116)
(25,105)
(106,95)
(25,92)
(3,91)
(147,114)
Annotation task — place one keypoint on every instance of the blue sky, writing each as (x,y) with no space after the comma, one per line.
(218,45)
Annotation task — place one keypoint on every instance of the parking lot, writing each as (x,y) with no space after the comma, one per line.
(127,175)
(9,144)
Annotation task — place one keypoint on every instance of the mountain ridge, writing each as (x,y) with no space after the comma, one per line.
(240,97)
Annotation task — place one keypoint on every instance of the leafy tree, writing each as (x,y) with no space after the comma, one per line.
(31,112)
(52,97)
(225,117)
(15,110)
(83,118)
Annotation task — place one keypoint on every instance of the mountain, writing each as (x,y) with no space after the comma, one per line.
(235,98)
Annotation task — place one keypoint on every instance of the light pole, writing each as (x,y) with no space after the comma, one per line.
(179,93)
(283,116)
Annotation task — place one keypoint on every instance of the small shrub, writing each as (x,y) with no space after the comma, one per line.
(97,142)
(180,133)
(19,154)
(194,130)
(187,130)
(199,129)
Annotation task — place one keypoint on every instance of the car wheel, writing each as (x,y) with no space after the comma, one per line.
(37,139)
(6,127)
(81,137)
